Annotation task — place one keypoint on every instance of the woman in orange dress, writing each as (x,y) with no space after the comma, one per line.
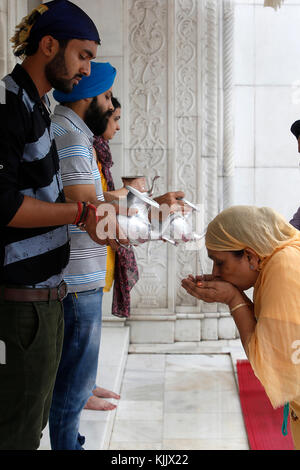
(256,247)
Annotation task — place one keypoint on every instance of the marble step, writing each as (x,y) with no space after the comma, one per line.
(97,426)
(225,346)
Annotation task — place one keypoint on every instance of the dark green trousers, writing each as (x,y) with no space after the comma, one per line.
(31,338)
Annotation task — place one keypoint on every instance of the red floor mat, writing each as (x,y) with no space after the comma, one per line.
(263,423)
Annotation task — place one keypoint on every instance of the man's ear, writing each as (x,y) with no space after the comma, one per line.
(88,100)
(49,46)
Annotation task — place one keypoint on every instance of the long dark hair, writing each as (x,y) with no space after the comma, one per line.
(115,102)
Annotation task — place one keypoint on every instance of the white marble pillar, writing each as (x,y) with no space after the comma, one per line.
(11,13)
(180,127)
(228,118)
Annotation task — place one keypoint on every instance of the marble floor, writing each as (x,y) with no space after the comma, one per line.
(179,401)
(180,396)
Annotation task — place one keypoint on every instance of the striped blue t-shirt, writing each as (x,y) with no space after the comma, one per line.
(29,166)
(74,141)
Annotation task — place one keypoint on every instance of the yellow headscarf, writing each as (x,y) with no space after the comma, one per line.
(274,347)
(240,227)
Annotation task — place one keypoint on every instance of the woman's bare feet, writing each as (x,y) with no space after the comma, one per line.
(103,393)
(97,403)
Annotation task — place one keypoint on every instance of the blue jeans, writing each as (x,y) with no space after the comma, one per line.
(77,370)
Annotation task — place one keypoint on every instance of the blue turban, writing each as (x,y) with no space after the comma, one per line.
(99,81)
(63,20)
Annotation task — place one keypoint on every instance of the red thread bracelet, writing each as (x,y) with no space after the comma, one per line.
(85,213)
(79,212)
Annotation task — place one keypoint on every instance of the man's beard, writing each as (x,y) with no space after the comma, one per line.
(95,118)
(56,69)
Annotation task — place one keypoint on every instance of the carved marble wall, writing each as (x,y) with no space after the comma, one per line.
(148,130)
(180,56)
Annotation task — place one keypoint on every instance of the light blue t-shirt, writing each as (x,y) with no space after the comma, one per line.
(74,140)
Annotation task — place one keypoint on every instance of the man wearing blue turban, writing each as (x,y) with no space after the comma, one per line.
(57,41)
(81,116)
(78,117)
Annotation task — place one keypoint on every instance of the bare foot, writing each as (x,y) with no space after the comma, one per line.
(96,403)
(103,393)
